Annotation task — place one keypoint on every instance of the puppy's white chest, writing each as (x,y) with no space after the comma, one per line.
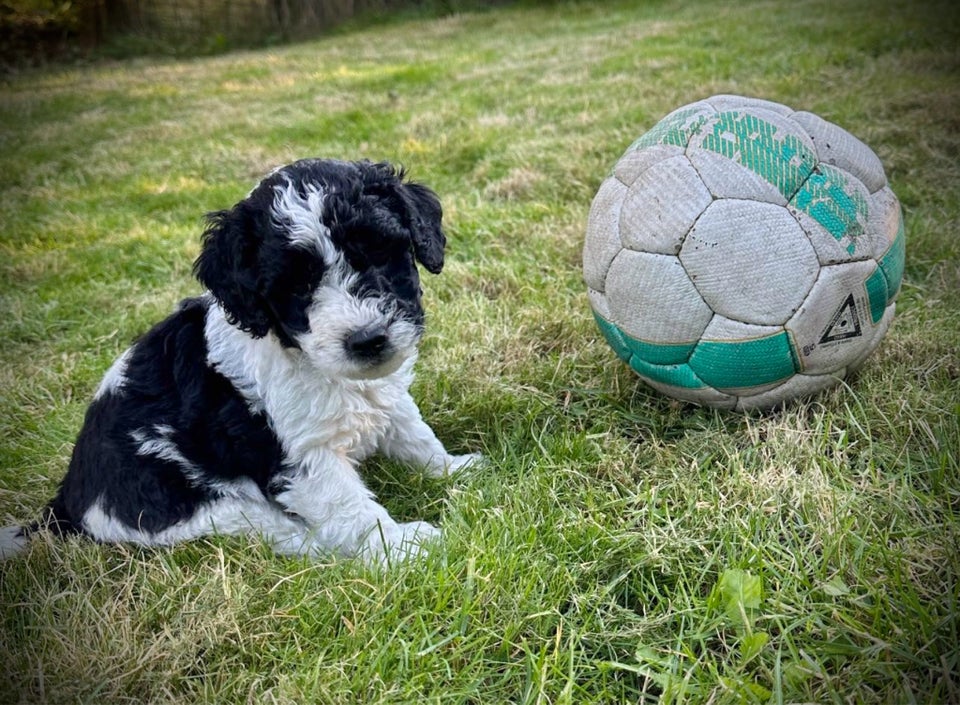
(348,418)
(357,430)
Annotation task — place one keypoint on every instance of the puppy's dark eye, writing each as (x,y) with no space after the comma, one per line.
(303,276)
(373,251)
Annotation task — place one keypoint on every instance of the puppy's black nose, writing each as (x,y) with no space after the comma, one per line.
(367,343)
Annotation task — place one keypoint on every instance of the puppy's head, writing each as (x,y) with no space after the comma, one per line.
(322,254)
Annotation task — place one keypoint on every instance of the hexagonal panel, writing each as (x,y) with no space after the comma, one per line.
(736,357)
(738,102)
(876,336)
(677,128)
(725,178)
(795,387)
(701,395)
(885,221)
(636,161)
(598,302)
(768,144)
(750,261)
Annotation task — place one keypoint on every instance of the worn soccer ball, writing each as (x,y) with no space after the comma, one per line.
(742,254)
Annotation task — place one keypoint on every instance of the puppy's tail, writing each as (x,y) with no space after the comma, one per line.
(13,540)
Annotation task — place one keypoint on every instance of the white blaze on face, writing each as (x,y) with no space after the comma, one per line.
(301,217)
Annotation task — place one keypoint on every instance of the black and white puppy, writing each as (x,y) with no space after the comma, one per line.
(250,407)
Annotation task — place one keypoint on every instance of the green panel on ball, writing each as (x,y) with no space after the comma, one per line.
(662,363)
(876,285)
(783,161)
(827,198)
(675,129)
(614,337)
(893,262)
(653,353)
(674,375)
(737,364)
(657,354)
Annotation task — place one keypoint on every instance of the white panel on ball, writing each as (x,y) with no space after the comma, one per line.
(876,335)
(838,147)
(651,298)
(700,395)
(768,143)
(635,162)
(831,327)
(726,179)
(738,102)
(651,223)
(797,386)
(602,242)
(750,261)
(598,302)
(884,221)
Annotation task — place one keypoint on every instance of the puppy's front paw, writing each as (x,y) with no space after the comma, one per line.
(453,464)
(398,542)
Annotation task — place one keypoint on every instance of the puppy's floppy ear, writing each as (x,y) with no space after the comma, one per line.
(425,225)
(227,266)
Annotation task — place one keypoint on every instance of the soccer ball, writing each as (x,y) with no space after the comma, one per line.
(742,254)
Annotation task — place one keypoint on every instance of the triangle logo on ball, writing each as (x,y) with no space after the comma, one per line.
(845,323)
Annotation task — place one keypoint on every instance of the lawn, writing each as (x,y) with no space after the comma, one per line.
(618,546)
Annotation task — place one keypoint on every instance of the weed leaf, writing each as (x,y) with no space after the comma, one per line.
(738,594)
(751,645)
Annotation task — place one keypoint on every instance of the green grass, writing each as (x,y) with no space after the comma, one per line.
(619,547)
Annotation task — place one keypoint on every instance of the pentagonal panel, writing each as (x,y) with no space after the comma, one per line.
(602,242)
(725,178)
(834,323)
(839,148)
(636,161)
(661,206)
(750,261)
(651,298)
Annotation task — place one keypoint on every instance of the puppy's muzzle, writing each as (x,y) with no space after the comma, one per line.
(370,345)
